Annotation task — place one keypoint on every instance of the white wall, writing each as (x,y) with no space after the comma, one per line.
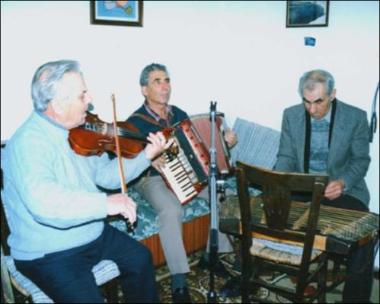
(237,53)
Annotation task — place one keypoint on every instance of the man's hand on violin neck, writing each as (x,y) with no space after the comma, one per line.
(121,204)
(157,145)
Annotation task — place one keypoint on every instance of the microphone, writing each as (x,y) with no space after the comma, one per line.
(90,107)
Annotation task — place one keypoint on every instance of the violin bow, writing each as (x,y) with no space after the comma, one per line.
(118,153)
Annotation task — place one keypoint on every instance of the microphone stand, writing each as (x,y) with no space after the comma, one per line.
(211,296)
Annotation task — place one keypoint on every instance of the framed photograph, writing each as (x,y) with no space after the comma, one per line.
(127,13)
(307,13)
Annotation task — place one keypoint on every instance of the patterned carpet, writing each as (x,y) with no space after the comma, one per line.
(198,281)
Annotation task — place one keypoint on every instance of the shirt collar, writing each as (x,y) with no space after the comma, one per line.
(155,115)
(48,119)
(327,117)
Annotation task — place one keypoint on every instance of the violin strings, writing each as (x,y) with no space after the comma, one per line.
(130,134)
(96,127)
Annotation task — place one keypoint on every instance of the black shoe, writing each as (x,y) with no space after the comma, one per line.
(181,295)
(219,270)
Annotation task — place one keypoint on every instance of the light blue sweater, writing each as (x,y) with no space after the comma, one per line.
(50,194)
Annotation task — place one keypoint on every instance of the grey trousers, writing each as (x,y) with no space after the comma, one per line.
(170,212)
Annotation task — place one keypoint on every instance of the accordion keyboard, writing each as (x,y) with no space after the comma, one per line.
(180,176)
(186,164)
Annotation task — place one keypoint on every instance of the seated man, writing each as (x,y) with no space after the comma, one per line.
(55,211)
(325,135)
(152,116)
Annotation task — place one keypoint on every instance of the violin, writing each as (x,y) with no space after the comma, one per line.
(95,136)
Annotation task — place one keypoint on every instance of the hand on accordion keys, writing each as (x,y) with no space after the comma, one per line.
(171,150)
(230,138)
(158,144)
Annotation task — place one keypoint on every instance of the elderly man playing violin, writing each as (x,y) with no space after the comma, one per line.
(54,209)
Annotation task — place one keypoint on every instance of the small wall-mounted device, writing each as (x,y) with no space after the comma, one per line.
(310,41)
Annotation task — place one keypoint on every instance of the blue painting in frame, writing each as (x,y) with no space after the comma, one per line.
(307,13)
(127,13)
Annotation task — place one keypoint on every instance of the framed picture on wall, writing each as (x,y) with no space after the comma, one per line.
(127,13)
(307,13)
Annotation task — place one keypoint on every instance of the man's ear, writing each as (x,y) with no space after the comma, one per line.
(333,94)
(143,91)
(57,106)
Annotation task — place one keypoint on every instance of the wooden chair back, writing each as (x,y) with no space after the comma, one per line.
(277,189)
(275,200)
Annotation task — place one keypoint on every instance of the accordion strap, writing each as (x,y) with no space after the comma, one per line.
(146,118)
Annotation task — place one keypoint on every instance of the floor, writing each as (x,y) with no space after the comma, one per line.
(335,296)
(198,285)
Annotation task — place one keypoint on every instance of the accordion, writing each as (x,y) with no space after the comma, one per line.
(186,163)
(202,124)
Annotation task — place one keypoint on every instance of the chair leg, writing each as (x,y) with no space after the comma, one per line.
(6,286)
(337,277)
(322,283)
(111,291)
(245,276)
(247,272)
(299,296)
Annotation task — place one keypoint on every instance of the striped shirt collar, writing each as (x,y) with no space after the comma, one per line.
(155,115)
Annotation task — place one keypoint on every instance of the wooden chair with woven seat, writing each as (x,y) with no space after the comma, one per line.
(105,273)
(271,242)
